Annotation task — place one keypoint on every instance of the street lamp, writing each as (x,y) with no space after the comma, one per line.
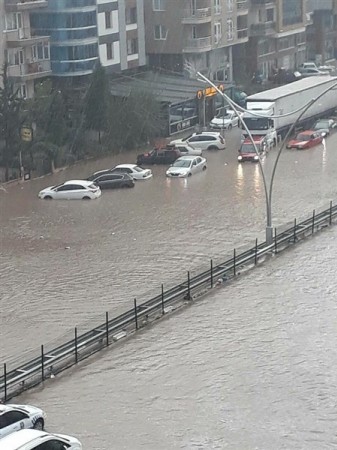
(268,192)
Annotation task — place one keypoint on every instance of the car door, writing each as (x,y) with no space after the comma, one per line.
(194,166)
(13,421)
(199,164)
(62,192)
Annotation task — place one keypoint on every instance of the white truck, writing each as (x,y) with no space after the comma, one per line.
(261,108)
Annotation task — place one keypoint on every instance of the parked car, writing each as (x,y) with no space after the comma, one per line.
(72,190)
(247,150)
(159,156)
(39,440)
(136,172)
(225,120)
(186,166)
(324,126)
(16,417)
(312,65)
(305,139)
(311,72)
(186,149)
(110,180)
(206,140)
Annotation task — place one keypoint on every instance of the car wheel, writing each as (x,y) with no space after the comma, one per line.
(47,197)
(39,425)
(213,147)
(86,198)
(204,168)
(189,175)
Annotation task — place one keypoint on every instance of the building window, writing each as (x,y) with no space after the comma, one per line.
(270,14)
(292,12)
(108,19)
(109,51)
(160,32)
(13,21)
(229,5)
(217,7)
(217,32)
(131,15)
(132,46)
(159,5)
(230,29)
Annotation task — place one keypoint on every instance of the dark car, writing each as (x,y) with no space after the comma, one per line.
(107,180)
(159,156)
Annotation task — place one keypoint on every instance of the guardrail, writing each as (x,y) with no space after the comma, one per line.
(52,361)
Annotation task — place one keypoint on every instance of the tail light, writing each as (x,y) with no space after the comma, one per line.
(222,140)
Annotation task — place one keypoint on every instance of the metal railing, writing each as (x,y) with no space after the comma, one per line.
(52,361)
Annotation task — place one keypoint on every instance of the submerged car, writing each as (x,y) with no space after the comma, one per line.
(72,190)
(186,149)
(16,417)
(249,152)
(136,172)
(305,139)
(324,126)
(206,140)
(159,156)
(110,180)
(225,120)
(39,440)
(186,166)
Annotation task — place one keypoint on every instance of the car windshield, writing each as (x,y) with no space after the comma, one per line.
(225,117)
(303,137)
(322,124)
(182,163)
(138,169)
(247,148)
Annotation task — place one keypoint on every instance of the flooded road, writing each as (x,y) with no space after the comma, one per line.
(251,366)
(128,242)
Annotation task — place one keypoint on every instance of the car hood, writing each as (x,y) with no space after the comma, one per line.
(177,141)
(249,154)
(47,189)
(177,169)
(298,143)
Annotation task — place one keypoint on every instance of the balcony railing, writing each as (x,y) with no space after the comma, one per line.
(242,5)
(201,15)
(30,70)
(198,45)
(22,37)
(243,33)
(262,29)
(21,5)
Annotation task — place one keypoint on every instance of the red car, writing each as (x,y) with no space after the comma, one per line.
(305,139)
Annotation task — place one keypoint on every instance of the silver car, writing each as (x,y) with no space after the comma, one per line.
(186,166)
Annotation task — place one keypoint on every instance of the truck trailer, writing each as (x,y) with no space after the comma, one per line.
(261,108)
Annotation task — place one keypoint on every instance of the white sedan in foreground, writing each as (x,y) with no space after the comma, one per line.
(136,172)
(186,166)
(34,439)
(16,417)
(72,190)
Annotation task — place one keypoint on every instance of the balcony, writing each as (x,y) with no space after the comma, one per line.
(242,35)
(22,37)
(31,70)
(198,45)
(242,7)
(201,15)
(262,29)
(24,5)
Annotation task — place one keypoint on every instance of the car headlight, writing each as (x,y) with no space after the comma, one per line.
(240,158)
(256,157)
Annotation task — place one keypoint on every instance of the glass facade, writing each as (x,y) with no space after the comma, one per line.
(292,12)
(72,27)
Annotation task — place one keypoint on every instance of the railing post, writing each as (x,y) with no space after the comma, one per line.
(330,217)
(136,315)
(211,273)
(255,257)
(275,240)
(294,230)
(162,300)
(313,222)
(107,327)
(188,286)
(234,257)
(5,382)
(76,352)
(42,363)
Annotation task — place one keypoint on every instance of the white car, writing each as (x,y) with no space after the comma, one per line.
(72,190)
(16,417)
(226,121)
(39,440)
(186,166)
(136,172)
(206,140)
(186,149)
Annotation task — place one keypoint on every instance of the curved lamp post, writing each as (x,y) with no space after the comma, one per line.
(268,192)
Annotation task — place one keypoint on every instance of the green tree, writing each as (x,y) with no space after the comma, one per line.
(11,120)
(97,101)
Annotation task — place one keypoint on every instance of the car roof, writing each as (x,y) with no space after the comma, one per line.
(20,438)
(6,408)
(126,166)
(207,133)
(188,157)
(83,182)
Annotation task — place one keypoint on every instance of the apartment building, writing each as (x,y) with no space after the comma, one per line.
(85,31)
(27,55)
(322,33)
(277,35)
(195,34)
